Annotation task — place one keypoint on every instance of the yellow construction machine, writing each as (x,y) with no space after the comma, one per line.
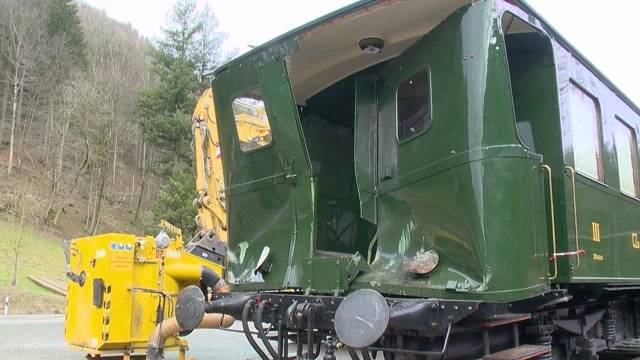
(122,288)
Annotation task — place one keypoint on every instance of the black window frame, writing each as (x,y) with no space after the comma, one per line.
(240,94)
(634,167)
(602,176)
(429,118)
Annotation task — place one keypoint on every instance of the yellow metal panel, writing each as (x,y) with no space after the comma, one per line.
(136,278)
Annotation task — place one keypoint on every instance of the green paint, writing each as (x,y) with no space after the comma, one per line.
(336,183)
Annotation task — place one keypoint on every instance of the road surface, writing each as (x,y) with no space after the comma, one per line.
(27,337)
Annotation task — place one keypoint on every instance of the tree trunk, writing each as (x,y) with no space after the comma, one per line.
(25,134)
(115,155)
(57,174)
(49,139)
(14,279)
(133,189)
(19,129)
(65,130)
(3,119)
(89,200)
(96,210)
(75,181)
(144,170)
(14,112)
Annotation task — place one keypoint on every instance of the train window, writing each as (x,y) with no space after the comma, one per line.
(627,154)
(413,106)
(252,122)
(585,125)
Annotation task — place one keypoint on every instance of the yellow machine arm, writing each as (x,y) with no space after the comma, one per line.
(252,130)
(212,215)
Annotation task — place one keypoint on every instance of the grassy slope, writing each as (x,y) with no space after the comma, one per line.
(40,255)
(42,247)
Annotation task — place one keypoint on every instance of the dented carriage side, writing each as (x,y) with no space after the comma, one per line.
(435,192)
(440,164)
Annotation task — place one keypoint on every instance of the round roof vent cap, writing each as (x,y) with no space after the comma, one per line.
(371,45)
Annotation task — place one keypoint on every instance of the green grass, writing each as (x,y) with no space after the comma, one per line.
(40,255)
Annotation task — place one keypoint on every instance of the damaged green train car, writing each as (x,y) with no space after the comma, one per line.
(443,178)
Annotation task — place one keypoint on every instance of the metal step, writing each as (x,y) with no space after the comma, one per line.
(521,352)
(499,320)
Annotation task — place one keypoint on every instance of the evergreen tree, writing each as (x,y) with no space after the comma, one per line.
(180,60)
(175,200)
(63,20)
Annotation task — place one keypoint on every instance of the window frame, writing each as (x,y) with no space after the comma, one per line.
(599,128)
(427,71)
(635,161)
(240,94)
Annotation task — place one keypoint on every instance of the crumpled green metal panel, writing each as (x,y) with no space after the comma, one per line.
(465,188)
(366,146)
(269,190)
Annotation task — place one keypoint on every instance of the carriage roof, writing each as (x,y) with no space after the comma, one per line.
(325,50)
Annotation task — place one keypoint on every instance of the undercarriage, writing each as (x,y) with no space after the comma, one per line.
(561,324)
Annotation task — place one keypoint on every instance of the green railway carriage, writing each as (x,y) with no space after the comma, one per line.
(451,174)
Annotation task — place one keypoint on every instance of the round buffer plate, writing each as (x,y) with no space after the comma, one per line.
(190,307)
(361,318)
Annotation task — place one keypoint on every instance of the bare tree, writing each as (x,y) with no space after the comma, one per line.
(23,44)
(15,240)
(16,236)
(75,122)
(3,115)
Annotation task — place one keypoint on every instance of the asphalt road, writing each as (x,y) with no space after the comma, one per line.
(27,337)
(41,337)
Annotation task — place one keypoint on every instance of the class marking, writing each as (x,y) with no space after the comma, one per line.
(598,257)
(595,229)
(634,241)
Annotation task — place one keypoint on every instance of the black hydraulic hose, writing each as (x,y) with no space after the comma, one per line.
(77,278)
(365,354)
(247,333)
(281,338)
(208,280)
(260,328)
(230,305)
(352,354)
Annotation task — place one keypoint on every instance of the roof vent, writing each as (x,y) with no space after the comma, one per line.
(371,45)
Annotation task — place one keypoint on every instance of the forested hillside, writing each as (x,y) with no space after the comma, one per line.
(94,118)
(95,121)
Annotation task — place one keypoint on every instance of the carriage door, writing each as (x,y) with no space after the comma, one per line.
(393,112)
(533,82)
(393,121)
(269,191)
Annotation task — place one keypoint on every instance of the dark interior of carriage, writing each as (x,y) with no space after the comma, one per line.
(533,84)
(328,124)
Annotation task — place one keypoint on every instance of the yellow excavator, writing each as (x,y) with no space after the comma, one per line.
(122,288)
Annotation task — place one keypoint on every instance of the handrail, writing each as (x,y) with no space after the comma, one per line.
(553,225)
(578,251)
